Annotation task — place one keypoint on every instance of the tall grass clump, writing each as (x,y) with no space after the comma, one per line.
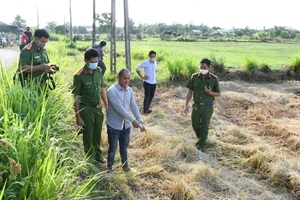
(139,54)
(264,67)
(218,63)
(191,66)
(176,68)
(162,55)
(40,155)
(295,63)
(251,65)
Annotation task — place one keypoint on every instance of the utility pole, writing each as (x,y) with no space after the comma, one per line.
(37,16)
(71,31)
(127,36)
(94,24)
(113,53)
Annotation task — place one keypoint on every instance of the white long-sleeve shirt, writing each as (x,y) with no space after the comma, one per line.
(120,102)
(149,70)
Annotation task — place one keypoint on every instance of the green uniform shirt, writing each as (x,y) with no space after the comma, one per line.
(32,55)
(197,83)
(88,86)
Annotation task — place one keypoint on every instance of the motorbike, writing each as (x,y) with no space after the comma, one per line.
(3,41)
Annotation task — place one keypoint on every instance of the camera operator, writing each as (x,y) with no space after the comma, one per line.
(34,62)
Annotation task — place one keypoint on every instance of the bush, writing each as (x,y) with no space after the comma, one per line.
(191,66)
(264,67)
(175,68)
(161,55)
(67,40)
(218,64)
(251,65)
(56,37)
(139,55)
(295,63)
(71,45)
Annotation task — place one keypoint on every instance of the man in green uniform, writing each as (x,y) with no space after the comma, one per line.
(88,89)
(34,61)
(204,87)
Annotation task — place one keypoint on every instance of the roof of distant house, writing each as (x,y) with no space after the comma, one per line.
(2,23)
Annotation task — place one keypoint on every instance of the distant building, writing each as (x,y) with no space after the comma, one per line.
(221,32)
(2,23)
(215,33)
(194,32)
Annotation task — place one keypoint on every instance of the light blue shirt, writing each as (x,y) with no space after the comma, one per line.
(120,103)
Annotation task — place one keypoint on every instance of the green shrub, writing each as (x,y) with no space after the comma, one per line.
(264,67)
(191,66)
(67,40)
(175,67)
(295,63)
(251,65)
(139,55)
(56,37)
(218,64)
(161,55)
(71,45)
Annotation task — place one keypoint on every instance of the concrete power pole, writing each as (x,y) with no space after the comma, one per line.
(71,31)
(127,36)
(113,53)
(94,20)
(37,16)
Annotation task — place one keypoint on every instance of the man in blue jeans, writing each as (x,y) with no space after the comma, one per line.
(149,78)
(120,101)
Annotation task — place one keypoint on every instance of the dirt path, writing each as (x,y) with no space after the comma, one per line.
(8,56)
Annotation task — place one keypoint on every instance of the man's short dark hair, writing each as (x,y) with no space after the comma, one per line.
(39,33)
(205,61)
(123,71)
(152,52)
(91,53)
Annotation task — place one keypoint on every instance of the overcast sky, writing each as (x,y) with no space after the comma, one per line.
(222,13)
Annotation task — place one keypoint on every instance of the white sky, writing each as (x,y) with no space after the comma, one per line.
(222,13)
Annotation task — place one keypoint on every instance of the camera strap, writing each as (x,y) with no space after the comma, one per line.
(51,86)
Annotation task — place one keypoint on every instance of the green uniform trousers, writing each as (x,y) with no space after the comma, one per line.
(201,115)
(93,119)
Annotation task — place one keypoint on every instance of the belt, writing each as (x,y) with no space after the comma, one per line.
(205,103)
(91,105)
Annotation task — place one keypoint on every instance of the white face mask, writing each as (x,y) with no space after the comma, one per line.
(203,71)
(93,65)
(152,59)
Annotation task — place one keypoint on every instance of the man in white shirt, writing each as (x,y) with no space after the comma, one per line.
(120,102)
(149,78)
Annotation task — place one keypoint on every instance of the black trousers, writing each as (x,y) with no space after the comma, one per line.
(149,94)
(102,66)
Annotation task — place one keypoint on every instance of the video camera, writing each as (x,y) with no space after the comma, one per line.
(54,68)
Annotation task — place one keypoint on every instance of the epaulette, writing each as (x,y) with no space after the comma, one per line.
(29,47)
(79,72)
(197,73)
(214,75)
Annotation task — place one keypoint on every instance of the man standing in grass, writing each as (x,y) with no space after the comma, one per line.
(88,90)
(120,101)
(34,60)
(100,49)
(149,78)
(204,86)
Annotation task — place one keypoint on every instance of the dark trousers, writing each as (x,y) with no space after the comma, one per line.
(93,119)
(149,94)
(102,66)
(21,47)
(123,136)
(201,115)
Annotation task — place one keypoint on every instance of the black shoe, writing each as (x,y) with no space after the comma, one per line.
(147,112)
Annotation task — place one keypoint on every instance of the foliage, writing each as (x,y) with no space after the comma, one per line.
(162,54)
(50,27)
(61,29)
(56,37)
(295,63)
(264,67)
(175,67)
(104,22)
(139,54)
(251,65)
(19,22)
(218,64)
(71,45)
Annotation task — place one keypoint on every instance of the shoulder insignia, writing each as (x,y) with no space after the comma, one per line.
(213,75)
(196,74)
(79,72)
(29,47)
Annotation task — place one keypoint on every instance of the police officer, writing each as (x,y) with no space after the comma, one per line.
(34,60)
(204,87)
(88,89)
